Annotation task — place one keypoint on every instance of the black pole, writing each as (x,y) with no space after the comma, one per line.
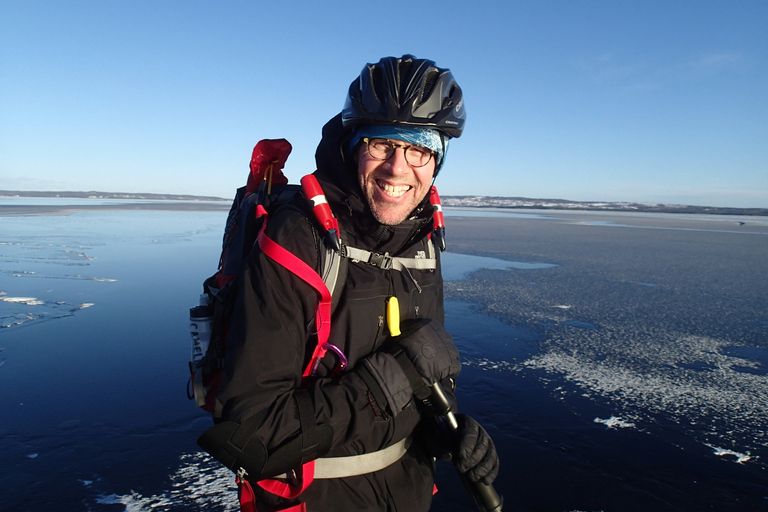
(485,495)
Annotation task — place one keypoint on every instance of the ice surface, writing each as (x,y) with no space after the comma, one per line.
(638,335)
(457,267)
(663,325)
(718,229)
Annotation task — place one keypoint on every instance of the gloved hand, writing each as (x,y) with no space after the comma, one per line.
(423,354)
(434,440)
(430,348)
(470,447)
(475,455)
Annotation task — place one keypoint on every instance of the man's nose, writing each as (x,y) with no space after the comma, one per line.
(397,162)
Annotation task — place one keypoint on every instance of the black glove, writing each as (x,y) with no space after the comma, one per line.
(434,441)
(475,454)
(423,354)
(430,349)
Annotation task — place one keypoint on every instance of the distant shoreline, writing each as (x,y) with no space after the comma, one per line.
(109,195)
(28,210)
(522,203)
(190,202)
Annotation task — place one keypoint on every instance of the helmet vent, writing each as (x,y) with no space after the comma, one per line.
(378,84)
(429,83)
(403,71)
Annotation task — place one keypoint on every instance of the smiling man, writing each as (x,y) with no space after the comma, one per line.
(359,416)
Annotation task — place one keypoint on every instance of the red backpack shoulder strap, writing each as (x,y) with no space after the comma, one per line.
(301,269)
(310,276)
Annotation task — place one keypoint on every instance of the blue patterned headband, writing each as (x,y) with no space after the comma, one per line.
(427,137)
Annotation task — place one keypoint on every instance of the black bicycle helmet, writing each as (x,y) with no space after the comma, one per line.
(407,91)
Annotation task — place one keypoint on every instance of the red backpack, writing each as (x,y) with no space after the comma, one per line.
(267,188)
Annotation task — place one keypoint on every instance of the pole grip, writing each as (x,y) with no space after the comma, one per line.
(486,497)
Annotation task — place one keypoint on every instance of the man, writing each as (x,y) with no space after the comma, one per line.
(374,441)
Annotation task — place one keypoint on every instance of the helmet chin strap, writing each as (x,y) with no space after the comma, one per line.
(439,166)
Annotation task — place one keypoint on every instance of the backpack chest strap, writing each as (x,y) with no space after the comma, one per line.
(387,262)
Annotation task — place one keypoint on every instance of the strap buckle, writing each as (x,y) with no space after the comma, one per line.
(383,261)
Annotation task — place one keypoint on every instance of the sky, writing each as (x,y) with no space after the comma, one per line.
(646,101)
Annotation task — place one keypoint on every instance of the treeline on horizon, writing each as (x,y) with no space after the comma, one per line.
(477,202)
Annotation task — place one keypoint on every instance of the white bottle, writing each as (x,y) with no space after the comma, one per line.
(200,327)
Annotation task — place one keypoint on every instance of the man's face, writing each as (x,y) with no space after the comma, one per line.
(392,187)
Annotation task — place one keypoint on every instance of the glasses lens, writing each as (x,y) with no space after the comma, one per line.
(380,149)
(417,156)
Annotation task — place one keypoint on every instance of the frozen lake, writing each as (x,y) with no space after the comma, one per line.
(620,361)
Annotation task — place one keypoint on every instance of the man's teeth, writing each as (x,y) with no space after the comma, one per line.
(394,191)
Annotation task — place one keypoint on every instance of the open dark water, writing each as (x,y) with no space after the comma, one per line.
(620,362)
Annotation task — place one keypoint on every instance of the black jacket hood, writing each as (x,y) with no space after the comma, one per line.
(336,170)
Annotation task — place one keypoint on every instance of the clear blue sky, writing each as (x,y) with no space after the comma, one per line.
(655,101)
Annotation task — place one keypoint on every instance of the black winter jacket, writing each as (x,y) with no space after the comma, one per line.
(270,342)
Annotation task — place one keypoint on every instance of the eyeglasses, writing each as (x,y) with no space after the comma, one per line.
(383,149)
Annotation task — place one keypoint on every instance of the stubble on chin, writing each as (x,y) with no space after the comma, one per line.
(384,217)
(390,214)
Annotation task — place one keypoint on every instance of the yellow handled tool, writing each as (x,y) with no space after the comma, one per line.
(393,316)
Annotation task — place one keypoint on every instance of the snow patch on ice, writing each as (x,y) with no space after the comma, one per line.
(200,483)
(488,364)
(614,422)
(29,301)
(741,458)
(663,378)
